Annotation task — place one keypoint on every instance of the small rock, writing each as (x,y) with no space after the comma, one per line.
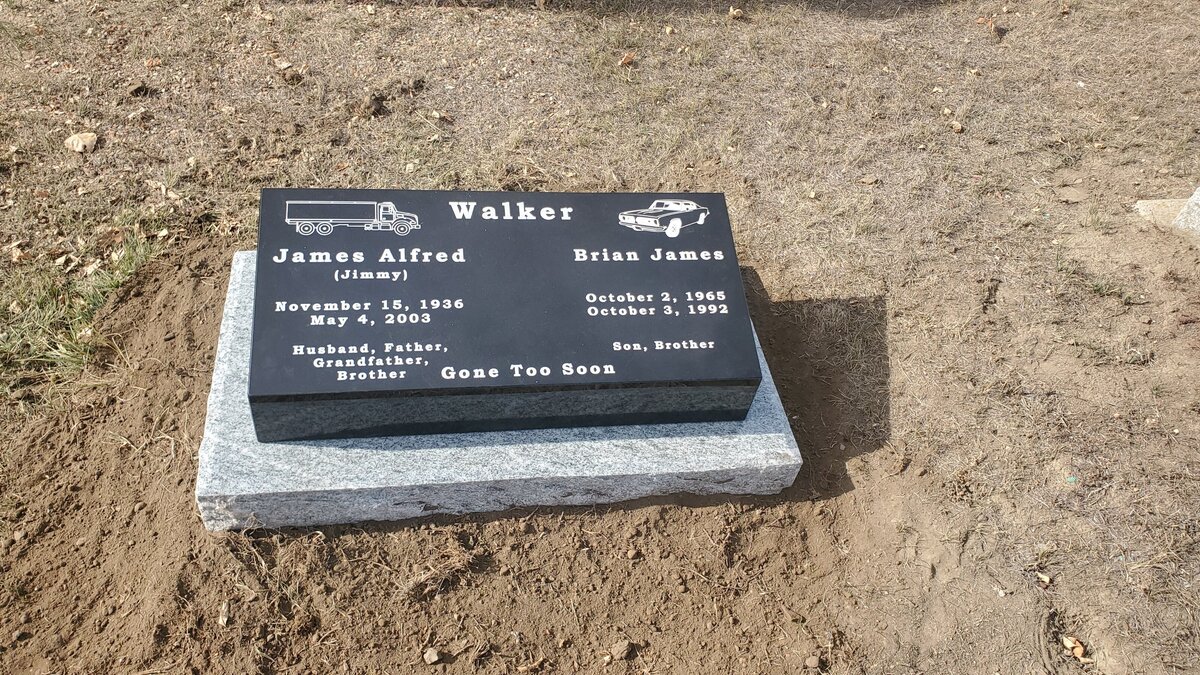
(139,89)
(1070,194)
(431,656)
(1188,219)
(20,635)
(632,554)
(84,141)
(140,506)
(812,662)
(183,395)
(621,650)
(18,535)
(80,542)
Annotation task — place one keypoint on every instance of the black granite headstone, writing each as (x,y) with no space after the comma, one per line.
(386,312)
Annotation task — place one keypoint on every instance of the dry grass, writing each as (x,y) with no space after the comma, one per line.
(444,568)
(49,334)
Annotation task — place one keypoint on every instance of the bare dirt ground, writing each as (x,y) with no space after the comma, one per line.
(991,362)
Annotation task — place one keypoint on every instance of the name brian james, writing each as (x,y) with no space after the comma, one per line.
(657,255)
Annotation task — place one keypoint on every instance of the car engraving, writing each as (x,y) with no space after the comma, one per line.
(665,215)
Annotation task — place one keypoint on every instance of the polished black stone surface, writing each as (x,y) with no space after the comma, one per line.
(384,312)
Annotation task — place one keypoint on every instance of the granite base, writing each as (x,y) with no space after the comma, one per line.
(244,483)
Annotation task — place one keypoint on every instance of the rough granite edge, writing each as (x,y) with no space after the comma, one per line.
(397,478)
(298,509)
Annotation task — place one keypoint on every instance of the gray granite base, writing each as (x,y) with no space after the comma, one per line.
(245,483)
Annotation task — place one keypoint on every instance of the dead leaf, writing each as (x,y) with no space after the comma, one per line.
(84,141)
(869,179)
(109,237)
(153,62)
(1077,649)
(92,267)
(669,30)
(1044,579)
(628,60)
(735,13)
(282,65)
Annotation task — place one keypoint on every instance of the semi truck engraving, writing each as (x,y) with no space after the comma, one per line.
(321,217)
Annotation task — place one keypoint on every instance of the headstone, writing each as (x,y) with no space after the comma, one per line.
(385,312)
(386,355)
(243,482)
